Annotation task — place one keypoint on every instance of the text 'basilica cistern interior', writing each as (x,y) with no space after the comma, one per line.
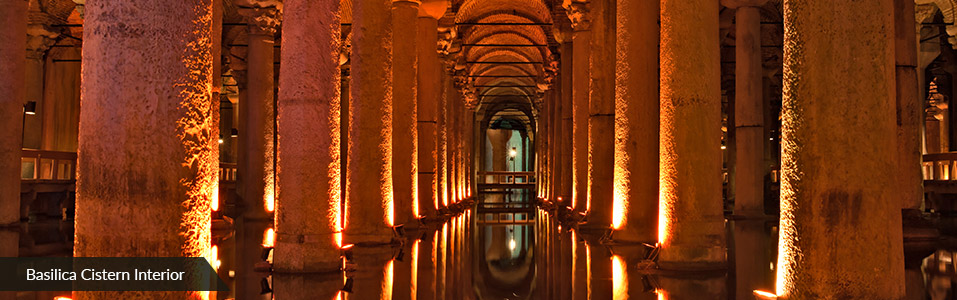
(486,149)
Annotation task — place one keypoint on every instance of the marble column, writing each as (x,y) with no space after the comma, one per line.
(308,215)
(40,37)
(369,207)
(13,16)
(441,137)
(404,134)
(909,105)
(691,231)
(256,168)
(556,145)
(145,156)
(567,126)
(635,213)
(601,115)
(427,98)
(581,24)
(838,199)
(749,168)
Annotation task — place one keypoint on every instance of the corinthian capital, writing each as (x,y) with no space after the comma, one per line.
(40,34)
(578,14)
(263,16)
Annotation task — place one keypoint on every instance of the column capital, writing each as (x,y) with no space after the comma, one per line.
(735,4)
(578,13)
(40,35)
(434,9)
(263,16)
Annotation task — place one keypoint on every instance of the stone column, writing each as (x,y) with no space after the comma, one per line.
(427,98)
(691,231)
(581,24)
(256,166)
(601,116)
(567,126)
(555,144)
(441,138)
(749,169)
(145,156)
(428,92)
(635,213)
(838,195)
(308,214)
(404,134)
(40,37)
(909,105)
(13,16)
(369,208)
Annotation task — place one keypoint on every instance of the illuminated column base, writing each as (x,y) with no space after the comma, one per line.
(13,16)
(838,195)
(308,214)
(370,208)
(691,233)
(146,164)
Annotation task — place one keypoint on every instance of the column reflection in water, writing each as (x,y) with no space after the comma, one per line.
(320,286)
(754,253)
(373,277)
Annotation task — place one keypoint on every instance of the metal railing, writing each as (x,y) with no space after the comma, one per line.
(505,177)
(940,166)
(38,165)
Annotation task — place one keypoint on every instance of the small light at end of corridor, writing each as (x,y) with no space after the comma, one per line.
(511,244)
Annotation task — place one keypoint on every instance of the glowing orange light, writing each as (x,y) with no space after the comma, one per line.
(764,295)
(415,268)
(388,279)
(62,298)
(619,278)
(619,209)
(269,238)
(270,199)
(214,257)
(338,237)
(215,204)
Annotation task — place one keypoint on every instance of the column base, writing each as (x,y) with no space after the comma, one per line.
(292,257)
(689,258)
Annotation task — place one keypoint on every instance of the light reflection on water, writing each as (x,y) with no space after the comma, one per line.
(499,256)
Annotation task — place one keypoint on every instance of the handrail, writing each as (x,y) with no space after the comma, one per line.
(506,177)
(47,165)
(939,166)
(59,165)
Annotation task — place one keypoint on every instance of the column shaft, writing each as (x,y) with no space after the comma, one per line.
(256,167)
(145,155)
(909,107)
(749,166)
(441,137)
(636,122)
(601,115)
(691,216)
(427,97)
(13,16)
(309,213)
(837,196)
(580,82)
(404,134)
(370,208)
(567,124)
